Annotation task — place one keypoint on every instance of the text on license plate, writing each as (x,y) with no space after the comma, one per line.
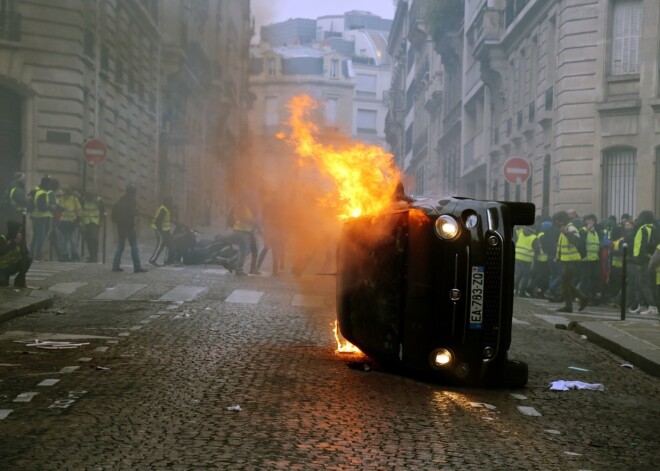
(477,297)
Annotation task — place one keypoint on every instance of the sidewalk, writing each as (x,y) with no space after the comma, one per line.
(16,302)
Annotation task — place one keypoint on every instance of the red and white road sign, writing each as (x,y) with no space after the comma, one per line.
(517,170)
(95,151)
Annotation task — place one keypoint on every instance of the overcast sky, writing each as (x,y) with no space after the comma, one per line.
(274,11)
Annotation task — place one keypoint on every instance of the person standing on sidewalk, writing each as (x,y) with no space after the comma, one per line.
(569,257)
(14,256)
(654,271)
(124,213)
(40,217)
(162,225)
(643,247)
(244,225)
(69,220)
(590,268)
(13,201)
(93,215)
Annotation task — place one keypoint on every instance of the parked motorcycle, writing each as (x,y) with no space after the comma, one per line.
(190,249)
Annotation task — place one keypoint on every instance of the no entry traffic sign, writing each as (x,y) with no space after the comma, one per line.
(517,170)
(95,151)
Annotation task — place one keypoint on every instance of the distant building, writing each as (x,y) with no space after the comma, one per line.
(153,80)
(346,69)
(572,90)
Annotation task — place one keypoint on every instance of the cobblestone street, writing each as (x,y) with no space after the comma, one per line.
(171,350)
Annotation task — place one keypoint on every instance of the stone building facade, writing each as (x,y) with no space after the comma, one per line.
(571,87)
(73,70)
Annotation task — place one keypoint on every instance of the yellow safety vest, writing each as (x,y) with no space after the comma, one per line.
(14,204)
(593,245)
(567,252)
(525,248)
(638,239)
(166,225)
(70,208)
(617,259)
(541,256)
(37,213)
(657,270)
(10,257)
(241,224)
(91,212)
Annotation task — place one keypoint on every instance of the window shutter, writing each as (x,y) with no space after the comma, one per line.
(626,33)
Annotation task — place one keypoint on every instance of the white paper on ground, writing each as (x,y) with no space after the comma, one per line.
(562,385)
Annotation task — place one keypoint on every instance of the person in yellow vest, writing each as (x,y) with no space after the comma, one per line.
(527,246)
(14,256)
(70,218)
(643,247)
(654,270)
(614,278)
(162,226)
(541,268)
(244,225)
(590,268)
(569,258)
(93,216)
(41,216)
(13,202)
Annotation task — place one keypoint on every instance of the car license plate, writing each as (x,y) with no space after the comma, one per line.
(477,297)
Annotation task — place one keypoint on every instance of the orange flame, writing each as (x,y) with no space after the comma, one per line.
(364,176)
(343,345)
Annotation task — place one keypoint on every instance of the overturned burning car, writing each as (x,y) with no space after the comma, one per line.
(428,288)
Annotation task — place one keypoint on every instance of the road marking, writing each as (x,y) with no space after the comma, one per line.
(305,300)
(67,288)
(49,382)
(182,293)
(530,411)
(4,413)
(120,291)
(68,401)
(25,397)
(69,369)
(244,296)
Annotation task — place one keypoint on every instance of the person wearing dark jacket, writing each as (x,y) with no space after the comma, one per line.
(14,256)
(569,257)
(124,213)
(15,199)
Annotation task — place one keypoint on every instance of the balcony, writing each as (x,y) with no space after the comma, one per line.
(10,26)
(486,29)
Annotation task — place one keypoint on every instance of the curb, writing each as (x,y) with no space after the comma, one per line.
(644,356)
(31,302)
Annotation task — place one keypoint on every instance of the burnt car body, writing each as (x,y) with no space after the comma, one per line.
(428,288)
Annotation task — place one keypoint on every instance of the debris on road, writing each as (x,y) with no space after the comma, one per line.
(101,368)
(627,365)
(236,408)
(562,385)
(51,345)
(577,368)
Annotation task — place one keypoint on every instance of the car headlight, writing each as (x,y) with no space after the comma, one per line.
(441,357)
(446,227)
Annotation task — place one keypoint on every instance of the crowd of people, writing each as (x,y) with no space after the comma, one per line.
(563,258)
(568,258)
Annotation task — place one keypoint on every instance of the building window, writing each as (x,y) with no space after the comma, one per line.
(509,126)
(272,117)
(365,84)
(409,138)
(545,204)
(272,70)
(626,35)
(549,96)
(496,135)
(366,121)
(519,120)
(531,112)
(619,175)
(334,68)
(419,180)
(331,111)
